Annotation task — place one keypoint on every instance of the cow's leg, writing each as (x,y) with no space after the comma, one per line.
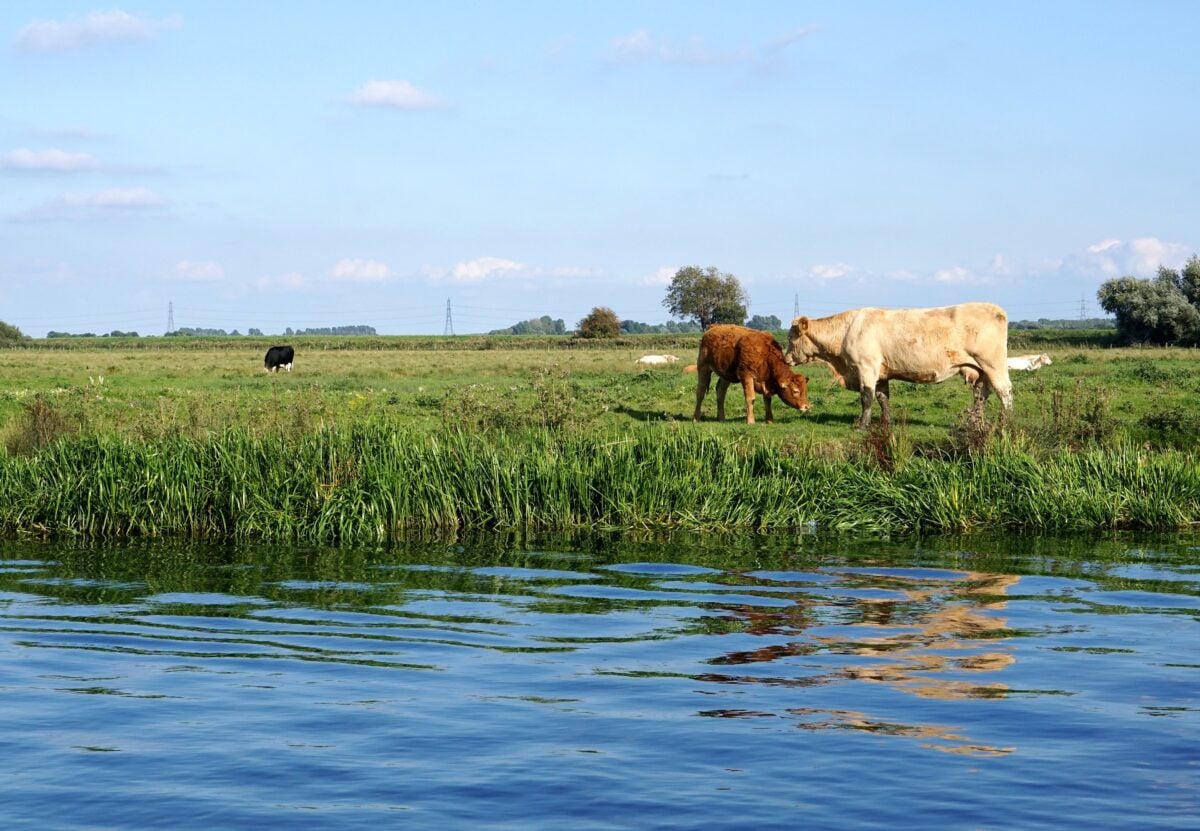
(883,393)
(722,388)
(767,406)
(979,390)
(702,379)
(866,395)
(995,377)
(289,367)
(748,389)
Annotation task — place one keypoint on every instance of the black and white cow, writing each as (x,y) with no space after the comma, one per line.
(279,357)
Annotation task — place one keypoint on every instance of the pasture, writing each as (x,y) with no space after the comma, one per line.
(161,387)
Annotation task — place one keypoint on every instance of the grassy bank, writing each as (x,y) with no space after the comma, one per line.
(374,481)
(365,440)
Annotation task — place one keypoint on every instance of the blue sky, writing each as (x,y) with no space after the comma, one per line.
(304,164)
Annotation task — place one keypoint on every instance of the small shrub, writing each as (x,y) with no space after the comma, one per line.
(1171,420)
(478,407)
(971,433)
(1077,416)
(40,424)
(1147,372)
(555,397)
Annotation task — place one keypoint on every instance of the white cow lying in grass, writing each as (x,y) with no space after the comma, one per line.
(1029,362)
(656,360)
(1025,362)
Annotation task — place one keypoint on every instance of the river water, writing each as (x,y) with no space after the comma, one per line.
(603,682)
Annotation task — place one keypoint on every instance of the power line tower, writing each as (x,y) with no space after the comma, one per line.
(170,317)
(449,319)
(796,306)
(1082,307)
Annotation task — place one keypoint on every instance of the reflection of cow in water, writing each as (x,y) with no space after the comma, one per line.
(279,357)
(926,641)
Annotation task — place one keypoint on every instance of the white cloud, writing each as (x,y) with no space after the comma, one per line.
(205,272)
(360,271)
(788,38)
(956,275)
(662,277)
(484,268)
(400,95)
(639,45)
(95,29)
(1140,257)
(52,160)
(115,198)
(830,271)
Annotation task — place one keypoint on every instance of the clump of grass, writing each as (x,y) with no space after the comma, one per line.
(971,433)
(1076,416)
(40,423)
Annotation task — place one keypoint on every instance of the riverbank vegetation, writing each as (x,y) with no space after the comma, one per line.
(397,435)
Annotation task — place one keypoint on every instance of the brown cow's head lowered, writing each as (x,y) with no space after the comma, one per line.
(794,391)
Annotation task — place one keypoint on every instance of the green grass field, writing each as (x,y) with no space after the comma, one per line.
(370,439)
(155,387)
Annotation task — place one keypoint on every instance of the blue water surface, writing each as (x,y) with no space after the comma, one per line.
(607,683)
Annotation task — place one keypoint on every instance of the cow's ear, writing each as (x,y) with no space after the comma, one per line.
(801,323)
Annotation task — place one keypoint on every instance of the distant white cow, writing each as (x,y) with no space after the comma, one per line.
(656,360)
(1030,362)
(1023,362)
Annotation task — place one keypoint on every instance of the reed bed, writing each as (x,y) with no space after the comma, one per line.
(379,481)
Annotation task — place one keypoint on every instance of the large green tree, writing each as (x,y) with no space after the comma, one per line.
(1165,309)
(601,322)
(706,296)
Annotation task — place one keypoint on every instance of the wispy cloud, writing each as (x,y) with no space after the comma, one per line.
(95,29)
(291,281)
(1139,257)
(661,277)
(483,268)
(641,46)
(956,275)
(827,272)
(360,271)
(397,95)
(47,161)
(109,203)
(115,198)
(202,272)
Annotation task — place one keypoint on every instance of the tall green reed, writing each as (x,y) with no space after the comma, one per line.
(371,481)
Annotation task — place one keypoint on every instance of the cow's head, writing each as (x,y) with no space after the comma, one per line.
(794,392)
(800,349)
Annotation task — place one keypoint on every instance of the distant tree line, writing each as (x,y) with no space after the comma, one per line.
(544,325)
(1164,309)
(115,333)
(671,327)
(1084,323)
(330,330)
(200,332)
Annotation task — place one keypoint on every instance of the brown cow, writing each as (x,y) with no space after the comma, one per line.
(868,347)
(753,358)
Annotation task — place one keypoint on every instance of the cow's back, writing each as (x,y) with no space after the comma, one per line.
(927,344)
(719,350)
